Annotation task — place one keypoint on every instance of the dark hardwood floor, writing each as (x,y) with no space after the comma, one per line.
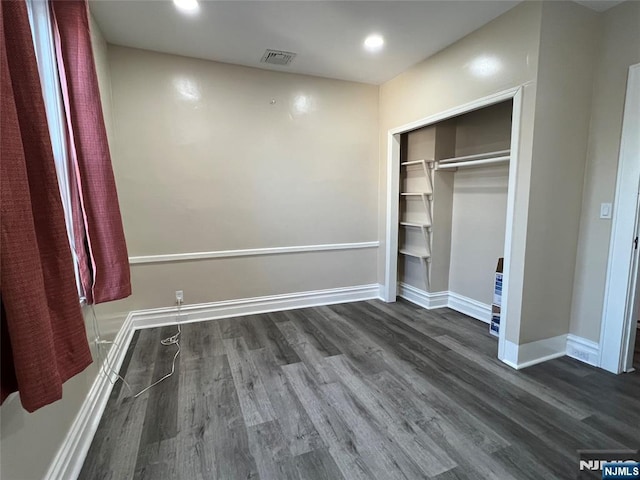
(365,390)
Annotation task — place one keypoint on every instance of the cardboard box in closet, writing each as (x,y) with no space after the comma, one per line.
(494,327)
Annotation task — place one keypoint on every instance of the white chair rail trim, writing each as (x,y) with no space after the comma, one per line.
(182,257)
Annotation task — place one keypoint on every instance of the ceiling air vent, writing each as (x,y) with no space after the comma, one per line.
(277,57)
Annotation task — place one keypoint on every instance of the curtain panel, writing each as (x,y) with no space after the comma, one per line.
(100,242)
(43,338)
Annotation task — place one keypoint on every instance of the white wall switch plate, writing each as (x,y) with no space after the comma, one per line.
(605,210)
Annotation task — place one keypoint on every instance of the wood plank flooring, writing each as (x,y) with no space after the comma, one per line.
(364,390)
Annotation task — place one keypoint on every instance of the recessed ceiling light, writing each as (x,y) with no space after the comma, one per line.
(374,42)
(188,6)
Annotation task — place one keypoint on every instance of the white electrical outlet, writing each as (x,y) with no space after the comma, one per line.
(179,296)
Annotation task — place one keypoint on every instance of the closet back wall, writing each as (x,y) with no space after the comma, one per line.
(479,214)
(212,157)
(477,230)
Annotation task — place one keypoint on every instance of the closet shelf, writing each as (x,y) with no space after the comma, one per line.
(415,224)
(477,156)
(417,194)
(414,253)
(416,162)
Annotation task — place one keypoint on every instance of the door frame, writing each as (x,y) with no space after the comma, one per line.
(620,302)
(390,288)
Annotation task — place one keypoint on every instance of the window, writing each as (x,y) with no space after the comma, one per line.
(40,20)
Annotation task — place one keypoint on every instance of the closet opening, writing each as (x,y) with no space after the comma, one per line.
(451,190)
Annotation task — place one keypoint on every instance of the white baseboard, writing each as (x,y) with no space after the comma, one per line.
(516,356)
(527,354)
(455,301)
(584,350)
(422,298)
(469,306)
(70,457)
(68,461)
(250,306)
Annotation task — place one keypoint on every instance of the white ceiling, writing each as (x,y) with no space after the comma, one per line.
(326,35)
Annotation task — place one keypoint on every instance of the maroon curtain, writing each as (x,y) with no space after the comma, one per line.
(43,339)
(100,242)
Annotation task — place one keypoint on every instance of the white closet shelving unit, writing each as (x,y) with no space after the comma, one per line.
(423,253)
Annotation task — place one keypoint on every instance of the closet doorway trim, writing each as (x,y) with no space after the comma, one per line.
(390,288)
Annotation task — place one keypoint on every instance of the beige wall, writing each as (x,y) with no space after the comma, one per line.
(210,156)
(447,80)
(620,48)
(100,52)
(477,231)
(568,42)
(245,277)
